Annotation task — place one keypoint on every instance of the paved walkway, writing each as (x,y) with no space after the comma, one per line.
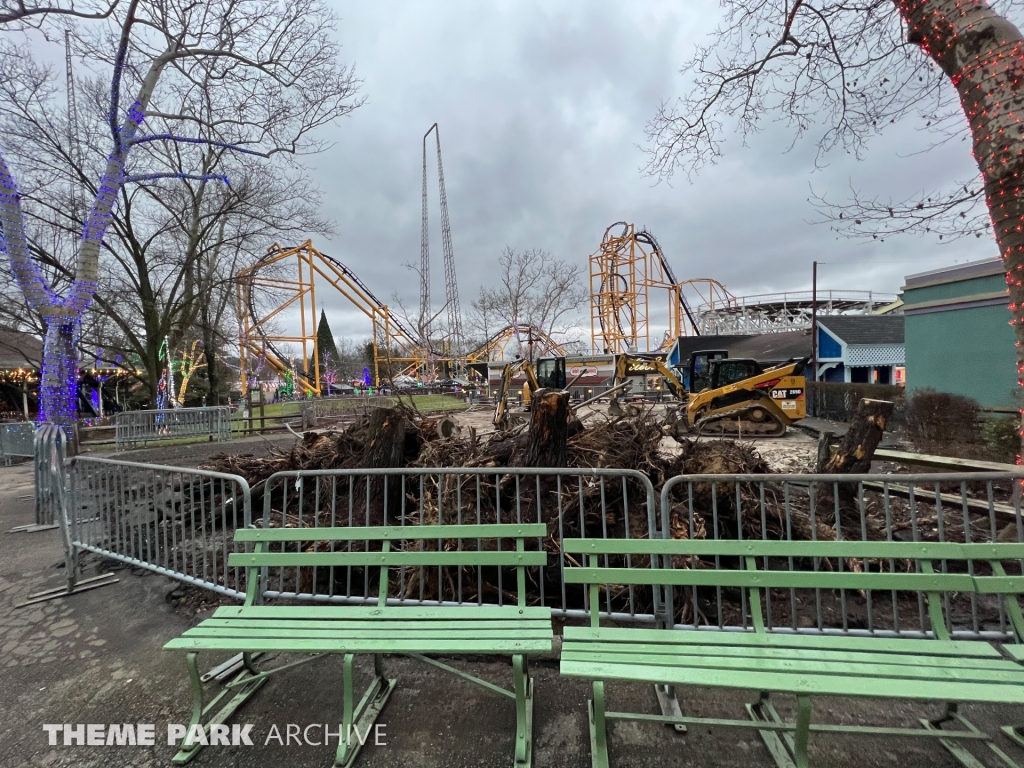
(96,658)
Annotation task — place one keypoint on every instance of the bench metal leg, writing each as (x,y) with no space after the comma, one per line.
(779,743)
(357,721)
(598,728)
(953,746)
(803,730)
(201,712)
(524,711)
(1014,733)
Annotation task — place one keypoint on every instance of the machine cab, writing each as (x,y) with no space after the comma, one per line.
(699,377)
(724,372)
(551,372)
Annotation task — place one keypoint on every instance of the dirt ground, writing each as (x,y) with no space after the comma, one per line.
(97,657)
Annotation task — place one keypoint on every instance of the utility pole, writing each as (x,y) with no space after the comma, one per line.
(814,323)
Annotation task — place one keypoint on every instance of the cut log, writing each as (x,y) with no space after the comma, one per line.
(549,429)
(857,447)
(434,427)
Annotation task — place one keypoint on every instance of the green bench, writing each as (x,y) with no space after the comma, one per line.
(414,630)
(800,664)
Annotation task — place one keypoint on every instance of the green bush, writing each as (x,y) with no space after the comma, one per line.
(936,420)
(1002,438)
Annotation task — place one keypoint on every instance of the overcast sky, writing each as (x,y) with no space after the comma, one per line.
(542,107)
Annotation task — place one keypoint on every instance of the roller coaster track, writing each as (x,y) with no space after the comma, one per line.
(624,276)
(389,333)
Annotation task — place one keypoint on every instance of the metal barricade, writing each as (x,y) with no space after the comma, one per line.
(601,503)
(17,440)
(134,427)
(964,507)
(49,453)
(174,521)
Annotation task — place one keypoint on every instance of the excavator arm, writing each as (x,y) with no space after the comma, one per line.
(509,372)
(630,365)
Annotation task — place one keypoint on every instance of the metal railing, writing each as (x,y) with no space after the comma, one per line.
(178,522)
(572,502)
(49,451)
(17,440)
(134,427)
(965,507)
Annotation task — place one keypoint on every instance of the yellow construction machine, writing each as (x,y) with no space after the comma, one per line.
(550,372)
(739,397)
(642,366)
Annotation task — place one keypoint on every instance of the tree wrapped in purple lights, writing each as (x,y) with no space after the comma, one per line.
(268,47)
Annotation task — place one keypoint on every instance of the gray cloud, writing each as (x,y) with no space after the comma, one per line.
(541,107)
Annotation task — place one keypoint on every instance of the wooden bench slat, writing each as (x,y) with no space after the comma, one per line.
(378,633)
(760,548)
(784,640)
(1000,550)
(395,532)
(838,666)
(390,559)
(911,582)
(397,625)
(625,651)
(357,645)
(999,585)
(786,682)
(411,612)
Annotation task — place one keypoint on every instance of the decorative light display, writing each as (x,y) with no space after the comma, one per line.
(190,363)
(59,375)
(988,75)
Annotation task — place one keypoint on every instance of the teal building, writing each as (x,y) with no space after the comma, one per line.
(957,333)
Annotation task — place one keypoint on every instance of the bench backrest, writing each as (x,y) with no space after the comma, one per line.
(392,553)
(747,575)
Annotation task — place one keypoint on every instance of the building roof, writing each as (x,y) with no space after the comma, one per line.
(19,350)
(865,329)
(686,345)
(774,347)
(955,273)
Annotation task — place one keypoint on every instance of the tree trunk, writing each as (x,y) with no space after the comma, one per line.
(981,53)
(549,422)
(58,391)
(385,446)
(857,447)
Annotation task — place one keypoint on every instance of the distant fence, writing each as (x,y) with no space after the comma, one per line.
(966,507)
(134,427)
(17,440)
(837,401)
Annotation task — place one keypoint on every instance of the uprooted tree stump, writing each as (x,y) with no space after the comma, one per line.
(857,447)
(854,453)
(549,429)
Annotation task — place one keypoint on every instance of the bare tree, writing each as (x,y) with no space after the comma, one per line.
(850,70)
(534,289)
(238,79)
(15,13)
